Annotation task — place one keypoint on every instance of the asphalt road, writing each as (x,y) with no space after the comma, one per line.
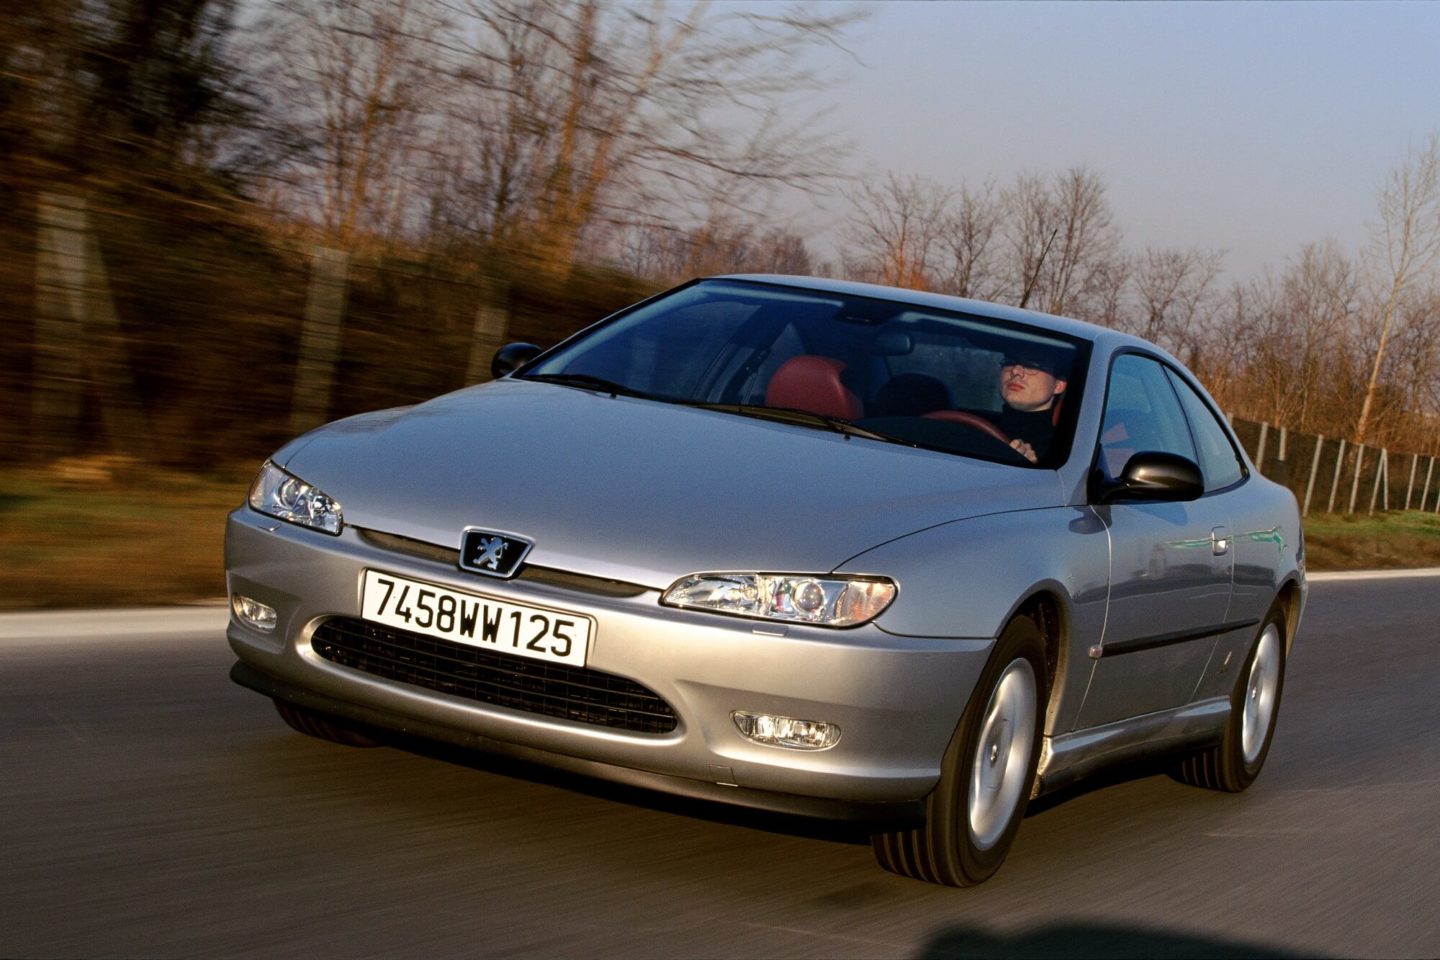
(149,808)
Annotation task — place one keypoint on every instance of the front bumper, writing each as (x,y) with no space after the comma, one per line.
(897,699)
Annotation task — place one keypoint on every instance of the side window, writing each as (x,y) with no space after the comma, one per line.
(1141,413)
(1218,459)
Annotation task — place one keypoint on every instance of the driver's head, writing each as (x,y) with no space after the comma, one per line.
(1030,380)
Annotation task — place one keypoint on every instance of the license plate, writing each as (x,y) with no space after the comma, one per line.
(475,620)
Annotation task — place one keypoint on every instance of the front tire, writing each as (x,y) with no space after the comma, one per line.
(321,727)
(1234,763)
(986,776)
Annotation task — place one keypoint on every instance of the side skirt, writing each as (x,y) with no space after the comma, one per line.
(1075,755)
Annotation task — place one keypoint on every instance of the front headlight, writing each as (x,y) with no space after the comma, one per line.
(821,600)
(286,497)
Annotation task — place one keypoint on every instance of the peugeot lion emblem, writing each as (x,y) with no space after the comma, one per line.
(491,553)
(493,549)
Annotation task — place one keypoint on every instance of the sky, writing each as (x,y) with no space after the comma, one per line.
(1253,128)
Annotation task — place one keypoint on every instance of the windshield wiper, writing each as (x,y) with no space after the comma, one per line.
(794,415)
(586,381)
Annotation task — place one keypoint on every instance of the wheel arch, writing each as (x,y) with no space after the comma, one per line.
(1050,613)
(1291,601)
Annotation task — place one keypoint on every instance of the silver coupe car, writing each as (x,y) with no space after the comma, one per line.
(796,545)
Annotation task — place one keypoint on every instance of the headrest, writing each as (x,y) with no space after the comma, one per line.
(812,383)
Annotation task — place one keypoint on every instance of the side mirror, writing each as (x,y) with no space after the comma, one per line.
(1150,476)
(512,357)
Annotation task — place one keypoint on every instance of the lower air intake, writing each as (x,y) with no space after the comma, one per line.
(516,683)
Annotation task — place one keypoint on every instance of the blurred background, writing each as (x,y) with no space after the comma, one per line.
(227,222)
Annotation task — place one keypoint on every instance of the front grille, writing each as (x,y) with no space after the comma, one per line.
(529,573)
(534,686)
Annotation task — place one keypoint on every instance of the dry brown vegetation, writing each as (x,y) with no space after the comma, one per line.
(1381,542)
(513,169)
(105,531)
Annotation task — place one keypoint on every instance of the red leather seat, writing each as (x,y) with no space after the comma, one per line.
(812,383)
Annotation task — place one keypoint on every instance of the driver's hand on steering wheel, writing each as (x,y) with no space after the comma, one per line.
(1025,450)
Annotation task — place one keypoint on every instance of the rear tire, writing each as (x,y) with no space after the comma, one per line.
(988,771)
(1234,763)
(321,727)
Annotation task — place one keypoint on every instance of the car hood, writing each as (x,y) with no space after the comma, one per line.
(639,490)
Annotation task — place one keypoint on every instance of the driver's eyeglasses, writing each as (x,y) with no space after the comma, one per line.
(1013,370)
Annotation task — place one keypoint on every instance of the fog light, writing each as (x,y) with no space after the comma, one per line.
(787,731)
(253,613)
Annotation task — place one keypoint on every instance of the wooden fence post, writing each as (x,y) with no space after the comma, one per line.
(59,379)
(1424,494)
(1260,447)
(1382,469)
(492,320)
(1385,490)
(1355,483)
(1410,487)
(1335,481)
(1314,469)
(78,332)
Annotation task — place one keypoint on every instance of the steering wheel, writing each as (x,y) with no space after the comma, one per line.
(970,420)
(980,424)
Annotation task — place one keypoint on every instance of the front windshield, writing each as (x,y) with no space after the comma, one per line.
(892,371)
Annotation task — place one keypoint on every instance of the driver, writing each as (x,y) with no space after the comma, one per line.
(1031,385)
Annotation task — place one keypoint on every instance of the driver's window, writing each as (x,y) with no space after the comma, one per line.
(1141,413)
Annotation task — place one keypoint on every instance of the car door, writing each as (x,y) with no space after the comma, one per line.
(1170,562)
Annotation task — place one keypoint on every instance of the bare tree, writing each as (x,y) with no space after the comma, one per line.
(1407,392)
(1109,302)
(354,79)
(1405,247)
(664,253)
(1172,290)
(1420,353)
(103,102)
(43,90)
(121,88)
(599,116)
(1319,315)
(896,230)
(969,237)
(783,251)
(1061,235)
(1030,232)
(1289,346)
(1087,238)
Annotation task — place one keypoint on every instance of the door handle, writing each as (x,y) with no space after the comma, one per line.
(1219,541)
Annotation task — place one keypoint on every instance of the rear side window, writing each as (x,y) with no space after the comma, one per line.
(1218,460)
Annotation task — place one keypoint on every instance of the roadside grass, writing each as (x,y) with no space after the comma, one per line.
(1383,541)
(104,532)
